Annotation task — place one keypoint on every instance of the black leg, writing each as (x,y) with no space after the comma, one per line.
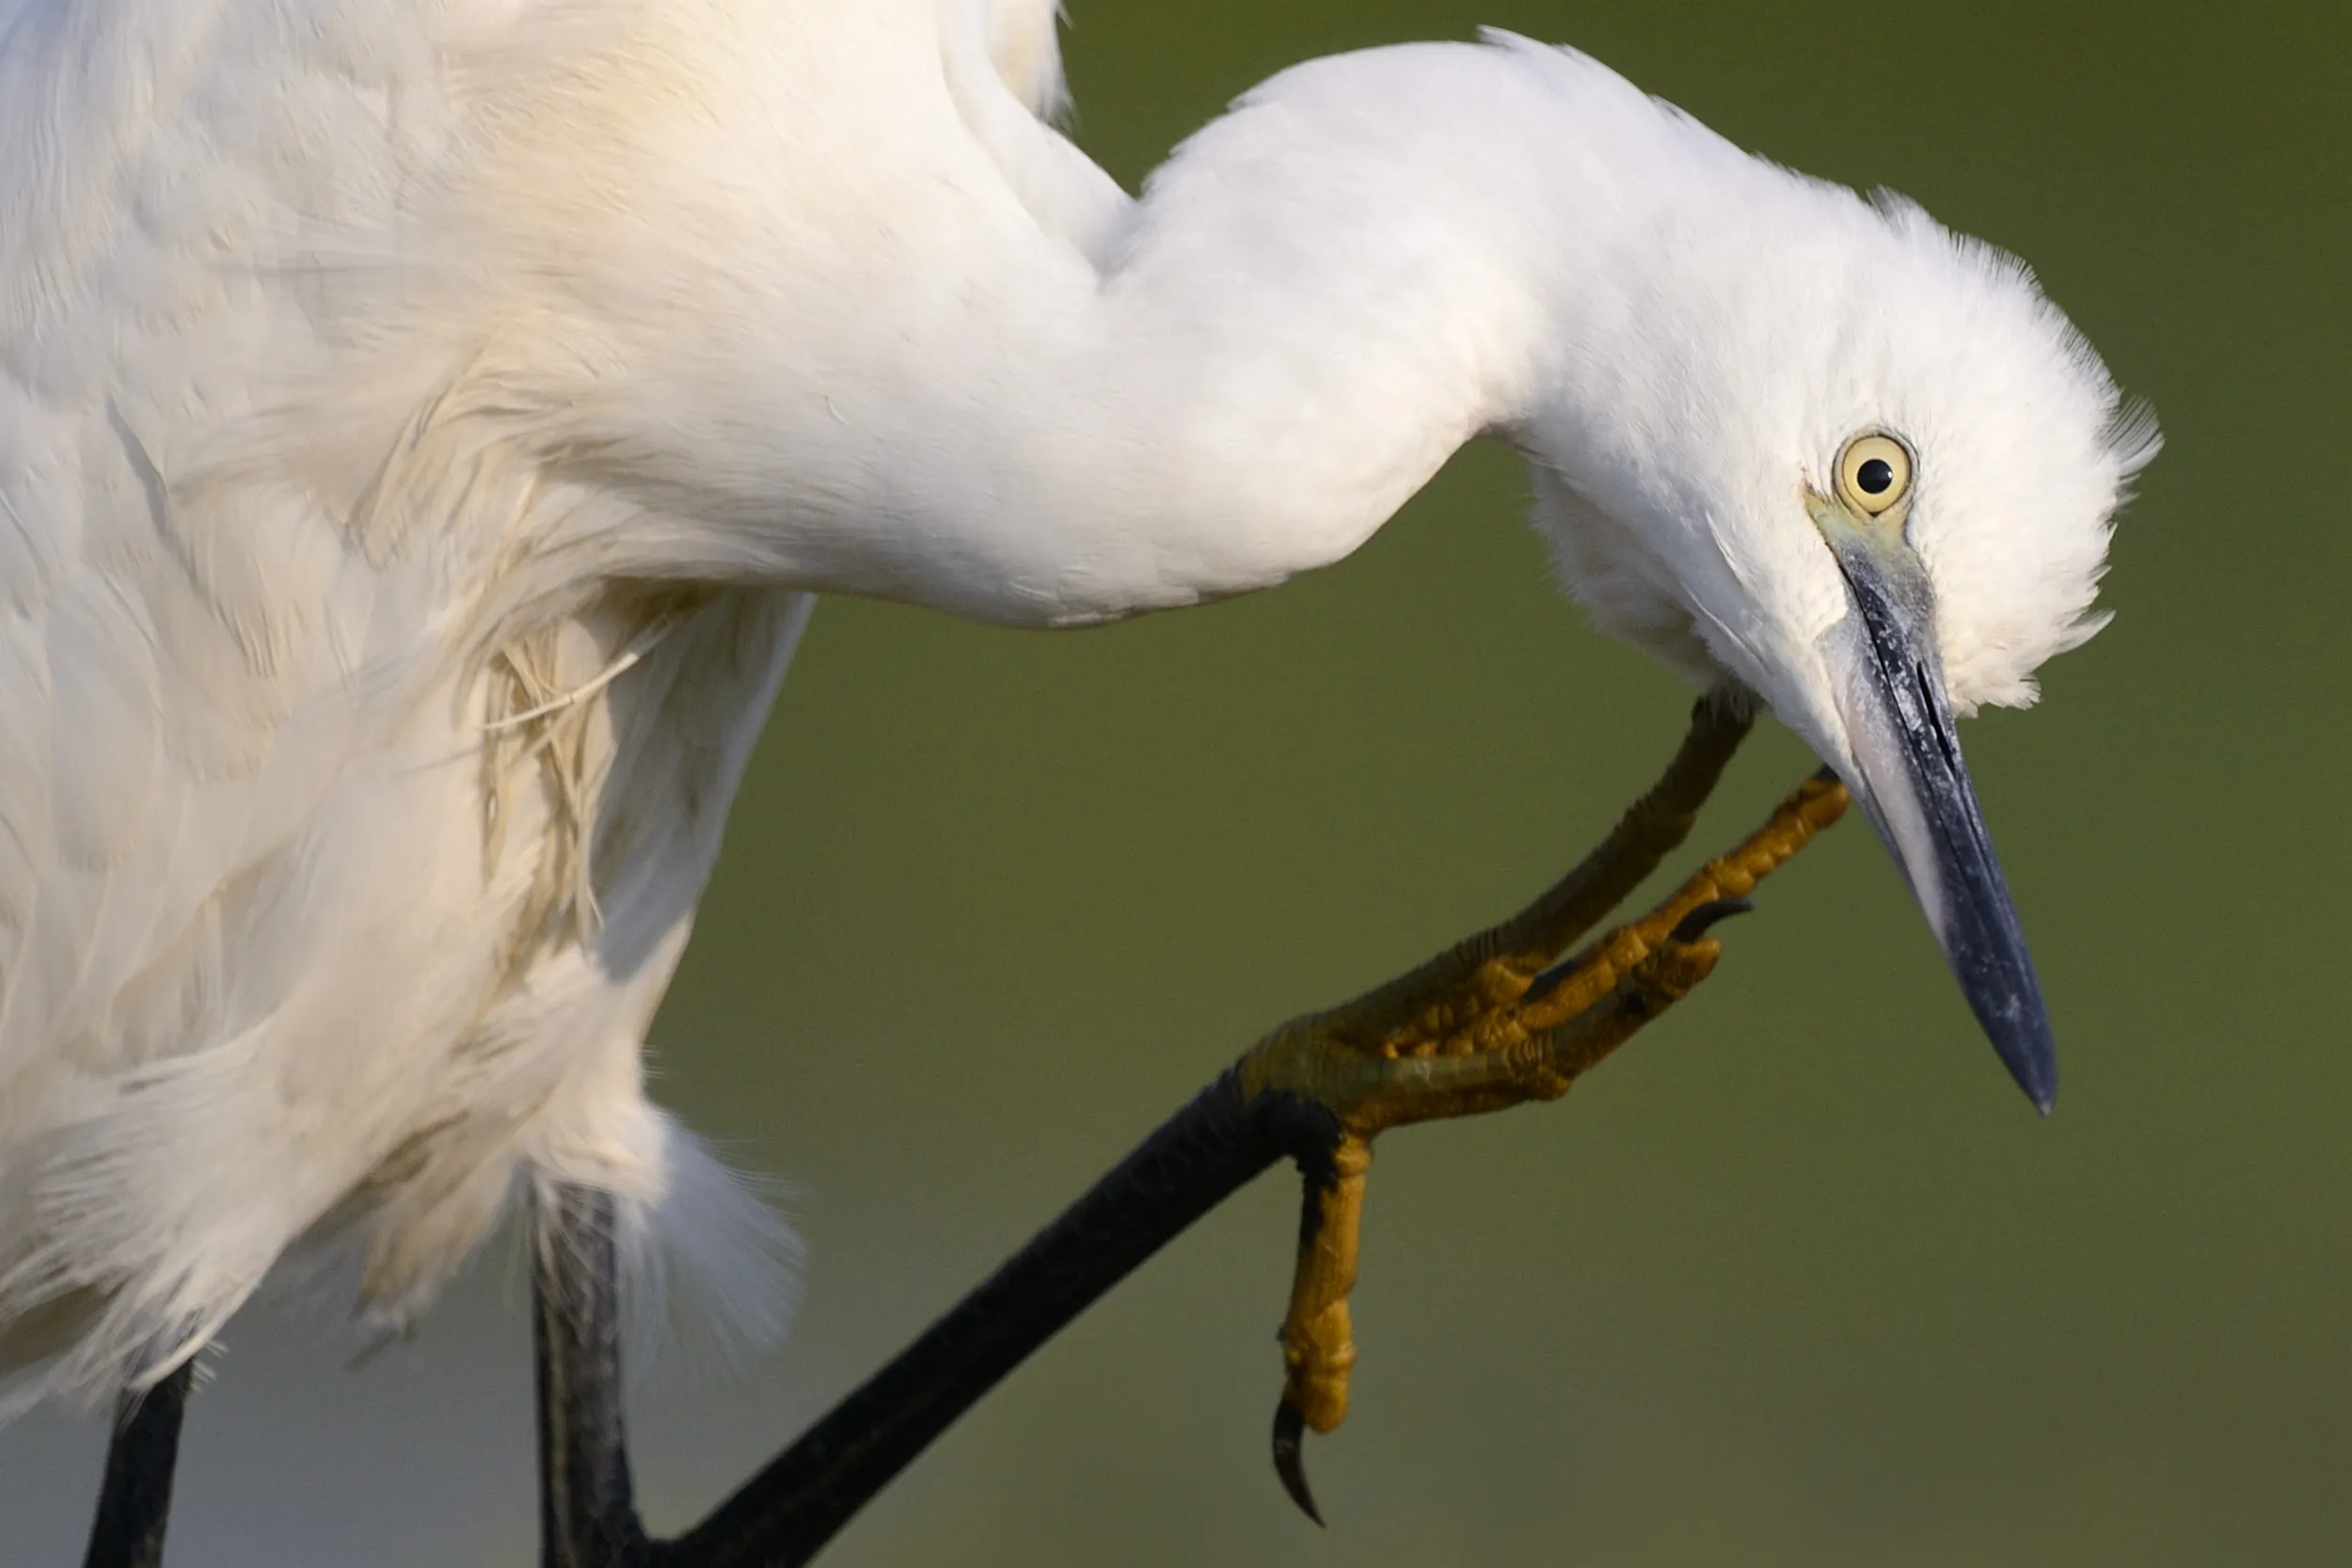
(587,1515)
(134,1501)
(1494,1021)
(784,1515)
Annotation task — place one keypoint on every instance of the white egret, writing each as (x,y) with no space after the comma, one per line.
(423,430)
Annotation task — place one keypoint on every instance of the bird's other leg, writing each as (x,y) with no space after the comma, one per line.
(587,1513)
(134,1500)
(1489,1023)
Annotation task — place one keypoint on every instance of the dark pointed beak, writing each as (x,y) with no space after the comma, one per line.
(1889,688)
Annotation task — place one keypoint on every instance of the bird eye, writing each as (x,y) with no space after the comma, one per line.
(1874,471)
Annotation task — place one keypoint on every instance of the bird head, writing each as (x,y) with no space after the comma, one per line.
(1862,468)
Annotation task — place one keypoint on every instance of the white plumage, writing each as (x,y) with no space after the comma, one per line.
(424,426)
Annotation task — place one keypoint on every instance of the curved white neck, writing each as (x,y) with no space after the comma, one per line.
(1318,300)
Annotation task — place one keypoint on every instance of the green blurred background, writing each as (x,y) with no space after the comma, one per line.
(1798,1278)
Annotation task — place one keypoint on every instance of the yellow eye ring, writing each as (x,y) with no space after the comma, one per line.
(1873,473)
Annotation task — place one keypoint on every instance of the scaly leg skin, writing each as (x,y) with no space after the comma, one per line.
(587,1511)
(1485,1025)
(1491,1024)
(134,1500)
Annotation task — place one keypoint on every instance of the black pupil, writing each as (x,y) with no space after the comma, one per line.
(1876,477)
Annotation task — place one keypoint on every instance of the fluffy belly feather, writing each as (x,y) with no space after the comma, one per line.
(508,894)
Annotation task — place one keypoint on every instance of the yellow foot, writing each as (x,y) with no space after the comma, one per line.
(1496,1022)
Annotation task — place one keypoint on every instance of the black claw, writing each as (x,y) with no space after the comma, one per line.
(1546,983)
(1290,1460)
(1693,926)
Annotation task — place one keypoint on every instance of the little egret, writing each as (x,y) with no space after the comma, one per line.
(424,428)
